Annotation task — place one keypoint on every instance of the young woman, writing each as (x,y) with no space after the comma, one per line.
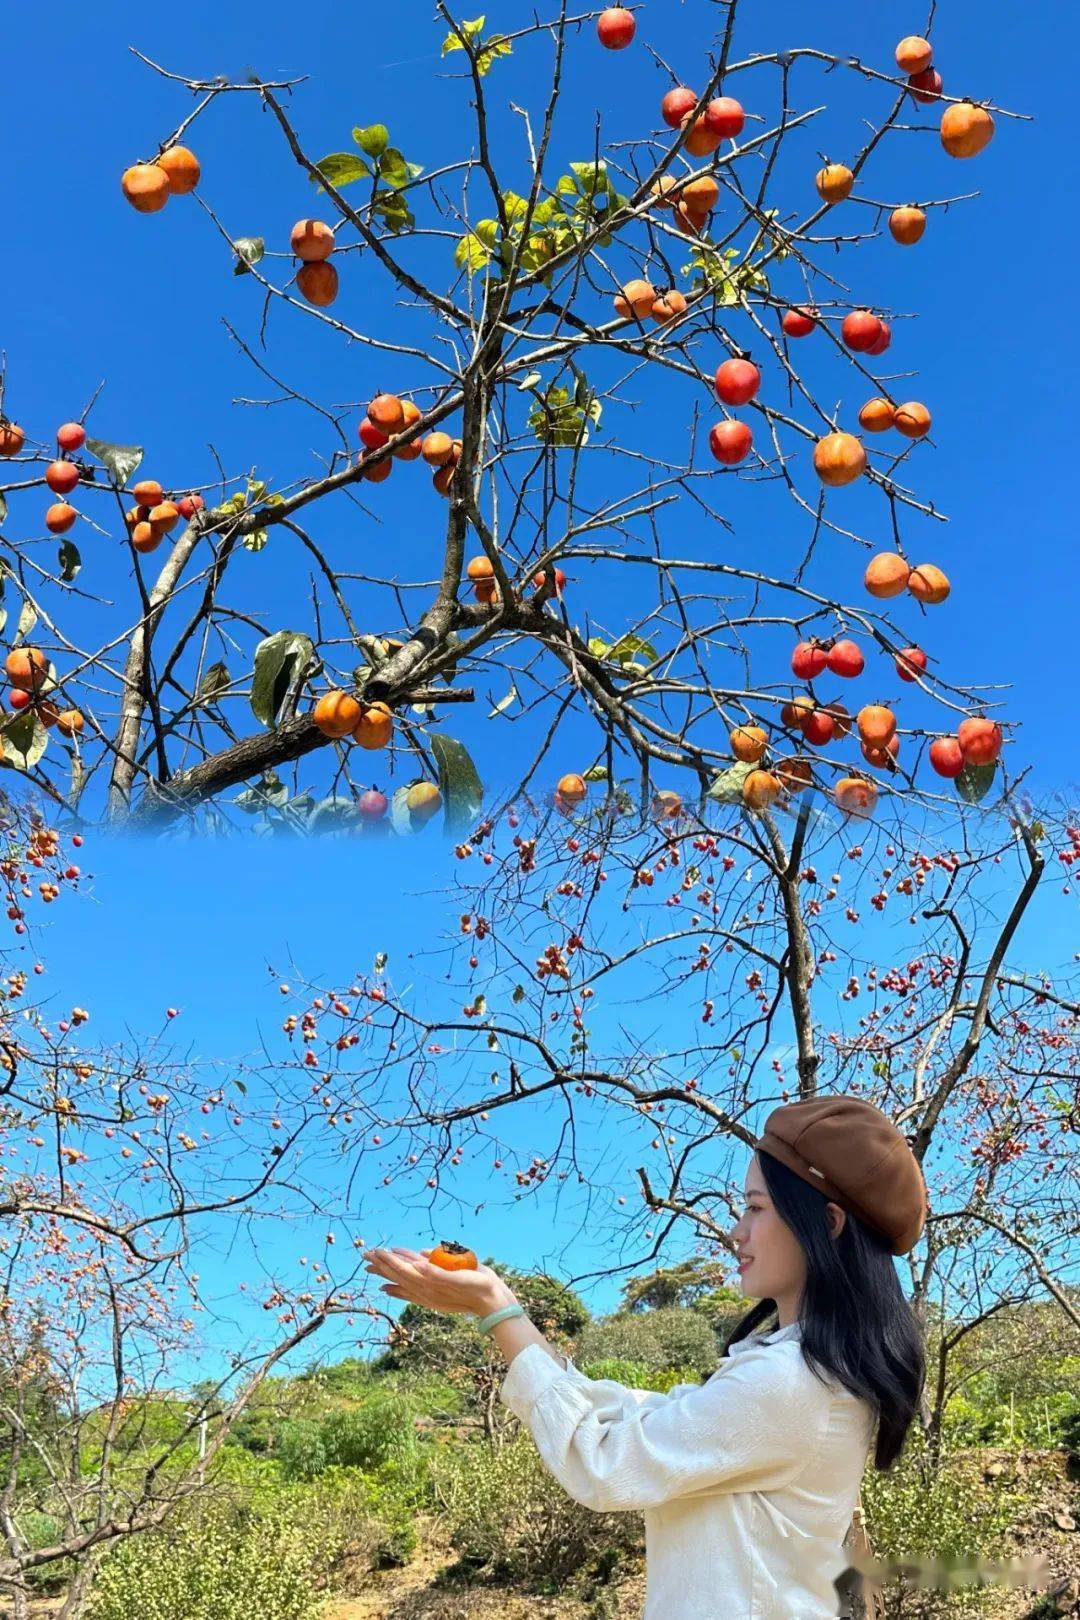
(747,1482)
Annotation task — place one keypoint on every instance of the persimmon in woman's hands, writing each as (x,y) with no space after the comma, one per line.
(447,1277)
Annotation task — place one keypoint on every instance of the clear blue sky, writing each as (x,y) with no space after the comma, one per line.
(137,301)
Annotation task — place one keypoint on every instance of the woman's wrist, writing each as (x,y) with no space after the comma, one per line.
(499,1295)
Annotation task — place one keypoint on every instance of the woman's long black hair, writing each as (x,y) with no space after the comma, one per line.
(856,1324)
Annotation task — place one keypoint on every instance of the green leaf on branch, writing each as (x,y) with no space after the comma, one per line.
(25,740)
(249,250)
(486,51)
(459,783)
(471,254)
(393,169)
(974,782)
(558,419)
(373,140)
(269,793)
(400,815)
(340,169)
(596,773)
(279,660)
(504,703)
(726,788)
(121,459)
(27,619)
(394,211)
(334,814)
(215,681)
(70,561)
(625,651)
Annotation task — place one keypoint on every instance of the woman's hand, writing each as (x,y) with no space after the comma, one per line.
(410,1275)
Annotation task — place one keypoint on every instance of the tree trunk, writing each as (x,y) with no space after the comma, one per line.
(860,1596)
(78,1593)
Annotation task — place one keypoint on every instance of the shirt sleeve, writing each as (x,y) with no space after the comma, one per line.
(756,1425)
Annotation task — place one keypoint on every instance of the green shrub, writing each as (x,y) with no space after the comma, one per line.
(917,1512)
(655,1339)
(378,1431)
(637,1375)
(506,1516)
(212,1567)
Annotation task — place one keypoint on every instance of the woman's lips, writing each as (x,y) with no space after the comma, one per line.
(747,1262)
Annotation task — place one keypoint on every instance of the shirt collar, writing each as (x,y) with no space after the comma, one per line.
(792,1331)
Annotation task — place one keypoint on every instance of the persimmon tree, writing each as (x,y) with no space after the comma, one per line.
(583,561)
(112,1180)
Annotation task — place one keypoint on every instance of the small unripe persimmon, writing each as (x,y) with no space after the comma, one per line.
(318,283)
(311,240)
(146,187)
(182,167)
(61,477)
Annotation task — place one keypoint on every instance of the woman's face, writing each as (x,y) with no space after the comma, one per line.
(775,1262)
(775,1265)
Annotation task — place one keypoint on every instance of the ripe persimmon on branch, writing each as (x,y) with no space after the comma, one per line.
(620,369)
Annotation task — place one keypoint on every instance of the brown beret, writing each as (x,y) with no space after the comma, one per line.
(855,1155)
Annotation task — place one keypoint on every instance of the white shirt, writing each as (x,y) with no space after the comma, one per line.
(747,1482)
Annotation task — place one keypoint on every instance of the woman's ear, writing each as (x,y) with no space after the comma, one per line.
(836,1218)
